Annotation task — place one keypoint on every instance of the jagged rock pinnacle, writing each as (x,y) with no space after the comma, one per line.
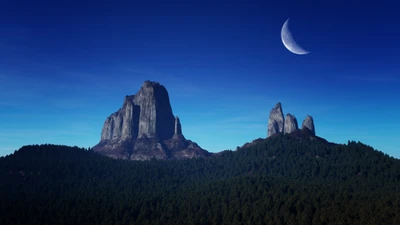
(276,120)
(308,123)
(290,124)
(145,128)
(178,129)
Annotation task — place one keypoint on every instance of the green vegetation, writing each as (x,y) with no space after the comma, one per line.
(281,180)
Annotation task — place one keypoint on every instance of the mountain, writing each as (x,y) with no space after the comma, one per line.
(295,178)
(145,128)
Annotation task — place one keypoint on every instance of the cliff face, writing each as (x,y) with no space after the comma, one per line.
(290,124)
(144,127)
(145,114)
(178,129)
(277,123)
(156,118)
(308,123)
(276,120)
(122,124)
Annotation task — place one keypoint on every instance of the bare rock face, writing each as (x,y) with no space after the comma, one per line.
(144,127)
(122,124)
(156,118)
(276,120)
(278,124)
(308,123)
(178,129)
(290,124)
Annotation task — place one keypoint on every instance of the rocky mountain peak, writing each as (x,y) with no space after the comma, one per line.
(276,120)
(277,123)
(290,124)
(156,119)
(142,128)
(148,83)
(308,123)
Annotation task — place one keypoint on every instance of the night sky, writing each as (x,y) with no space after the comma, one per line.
(66,66)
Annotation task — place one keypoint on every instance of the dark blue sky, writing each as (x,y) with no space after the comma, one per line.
(64,67)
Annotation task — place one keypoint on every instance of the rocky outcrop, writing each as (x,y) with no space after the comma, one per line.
(145,128)
(276,120)
(178,129)
(122,124)
(156,119)
(183,149)
(290,124)
(278,124)
(308,123)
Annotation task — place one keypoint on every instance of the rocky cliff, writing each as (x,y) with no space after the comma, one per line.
(290,124)
(146,128)
(276,120)
(277,123)
(308,123)
(178,129)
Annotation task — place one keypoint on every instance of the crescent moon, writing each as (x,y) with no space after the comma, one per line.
(289,42)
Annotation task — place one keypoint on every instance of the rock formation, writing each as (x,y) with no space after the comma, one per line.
(278,124)
(276,120)
(145,128)
(290,124)
(178,129)
(308,123)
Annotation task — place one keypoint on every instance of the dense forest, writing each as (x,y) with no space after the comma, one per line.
(284,179)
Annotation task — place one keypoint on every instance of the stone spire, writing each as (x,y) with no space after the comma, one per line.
(290,124)
(308,123)
(178,129)
(276,120)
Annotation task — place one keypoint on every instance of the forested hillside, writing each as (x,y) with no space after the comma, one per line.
(285,179)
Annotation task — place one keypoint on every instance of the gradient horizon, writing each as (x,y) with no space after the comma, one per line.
(65,67)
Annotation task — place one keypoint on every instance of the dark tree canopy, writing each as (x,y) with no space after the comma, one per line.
(281,180)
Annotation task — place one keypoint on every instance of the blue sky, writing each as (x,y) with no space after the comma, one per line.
(65,67)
